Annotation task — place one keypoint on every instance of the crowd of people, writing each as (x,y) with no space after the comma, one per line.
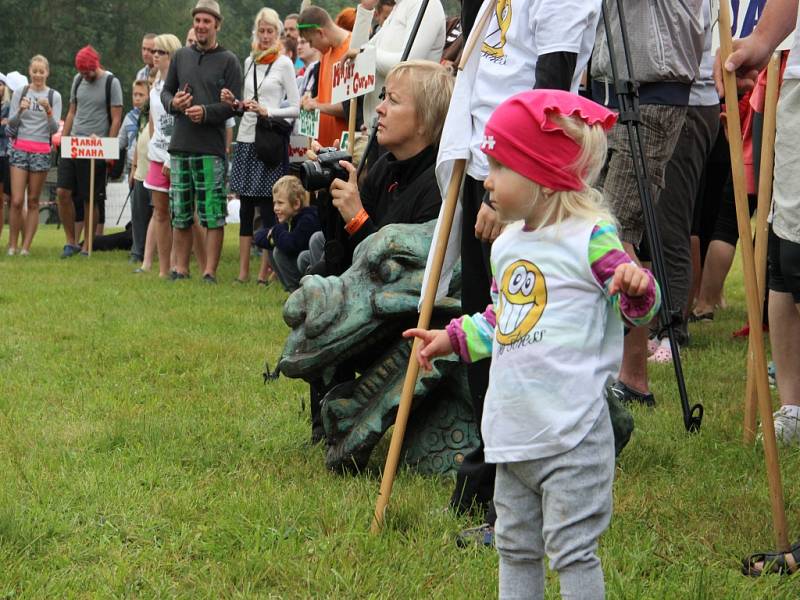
(549,215)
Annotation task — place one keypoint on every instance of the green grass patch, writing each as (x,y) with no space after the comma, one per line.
(141,455)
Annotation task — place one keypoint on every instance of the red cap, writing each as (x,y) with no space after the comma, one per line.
(87,59)
(521,136)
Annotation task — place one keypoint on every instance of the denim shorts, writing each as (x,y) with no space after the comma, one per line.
(29,161)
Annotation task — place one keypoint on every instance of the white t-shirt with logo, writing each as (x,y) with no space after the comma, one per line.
(163,124)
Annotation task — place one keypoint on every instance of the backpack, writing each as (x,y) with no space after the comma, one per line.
(11,132)
(118,168)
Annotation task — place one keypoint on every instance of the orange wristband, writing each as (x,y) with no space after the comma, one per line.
(356,222)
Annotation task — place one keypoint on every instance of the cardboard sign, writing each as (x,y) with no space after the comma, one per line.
(353,78)
(745,15)
(298,146)
(308,123)
(90,147)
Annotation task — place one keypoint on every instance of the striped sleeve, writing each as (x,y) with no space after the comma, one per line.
(605,255)
(471,336)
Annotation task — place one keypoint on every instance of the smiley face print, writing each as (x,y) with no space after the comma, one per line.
(523,297)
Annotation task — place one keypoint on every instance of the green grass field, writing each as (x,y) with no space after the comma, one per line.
(141,455)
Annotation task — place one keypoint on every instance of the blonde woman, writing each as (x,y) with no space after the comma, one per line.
(161,126)
(268,78)
(5,101)
(34,115)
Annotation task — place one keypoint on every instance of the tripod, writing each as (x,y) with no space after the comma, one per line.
(628,98)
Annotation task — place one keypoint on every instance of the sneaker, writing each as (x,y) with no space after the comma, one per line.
(209,278)
(771,374)
(70,250)
(24,252)
(701,317)
(481,536)
(12,251)
(175,276)
(787,425)
(628,395)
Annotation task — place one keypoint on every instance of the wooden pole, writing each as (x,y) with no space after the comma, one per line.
(428,301)
(762,229)
(751,286)
(90,218)
(351,126)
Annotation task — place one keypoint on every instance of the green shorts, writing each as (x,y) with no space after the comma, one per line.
(197,179)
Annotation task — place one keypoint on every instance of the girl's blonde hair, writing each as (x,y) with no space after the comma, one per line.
(588,202)
(39,58)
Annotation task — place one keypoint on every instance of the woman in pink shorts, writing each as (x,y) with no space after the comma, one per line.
(33,118)
(161,125)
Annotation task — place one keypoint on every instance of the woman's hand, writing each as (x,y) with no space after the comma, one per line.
(345,194)
(227,97)
(433,343)
(488,224)
(308,103)
(45,105)
(24,104)
(629,279)
(165,170)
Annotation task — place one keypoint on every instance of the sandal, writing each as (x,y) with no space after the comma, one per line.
(628,395)
(699,318)
(773,563)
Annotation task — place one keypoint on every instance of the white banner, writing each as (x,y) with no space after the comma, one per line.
(354,78)
(745,15)
(90,147)
(308,124)
(298,146)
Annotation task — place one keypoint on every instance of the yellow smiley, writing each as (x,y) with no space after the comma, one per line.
(523,296)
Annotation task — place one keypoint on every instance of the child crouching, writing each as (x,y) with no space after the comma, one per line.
(290,236)
(562,286)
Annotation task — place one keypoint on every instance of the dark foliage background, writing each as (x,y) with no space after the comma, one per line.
(115,27)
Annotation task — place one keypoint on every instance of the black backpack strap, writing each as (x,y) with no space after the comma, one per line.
(24,92)
(75,85)
(109,80)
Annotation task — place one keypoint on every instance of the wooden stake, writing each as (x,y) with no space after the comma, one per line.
(351,128)
(762,229)
(424,321)
(751,286)
(90,219)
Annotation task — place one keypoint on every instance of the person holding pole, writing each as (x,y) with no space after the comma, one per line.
(95,109)
(520,45)
(197,75)
(750,55)
(665,80)
(34,116)
(546,421)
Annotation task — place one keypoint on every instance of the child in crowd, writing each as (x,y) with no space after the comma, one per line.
(290,236)
(128,139)
(562,286)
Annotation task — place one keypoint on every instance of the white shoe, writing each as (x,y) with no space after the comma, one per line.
(11,251)
(24,253)
(787,425)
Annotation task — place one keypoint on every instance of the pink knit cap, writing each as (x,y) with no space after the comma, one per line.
(521,136)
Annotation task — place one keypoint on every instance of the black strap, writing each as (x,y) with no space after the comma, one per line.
(50,96)
(75,85)
(256,85)
(109,81)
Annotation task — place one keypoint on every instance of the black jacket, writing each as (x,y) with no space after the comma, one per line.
(291,238)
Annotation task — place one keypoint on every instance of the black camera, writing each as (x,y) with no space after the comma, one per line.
(318,174)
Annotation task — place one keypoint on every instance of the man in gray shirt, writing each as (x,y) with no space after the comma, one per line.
(95,109)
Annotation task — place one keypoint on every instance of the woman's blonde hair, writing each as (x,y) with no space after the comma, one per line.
(39,58)
(168,42)
(588,202)
(294,190)
(268,16)
(431,85)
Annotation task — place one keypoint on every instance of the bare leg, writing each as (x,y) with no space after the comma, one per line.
(35,183)
(697,273)
(214,239)
(245,243)
(163,233)
(633,371)
(719,259)
(19,182)
(199,244)
(784,336)
(182,238)
(149,245)
(266,268)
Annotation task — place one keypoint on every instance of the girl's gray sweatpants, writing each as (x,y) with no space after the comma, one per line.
(557,506)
